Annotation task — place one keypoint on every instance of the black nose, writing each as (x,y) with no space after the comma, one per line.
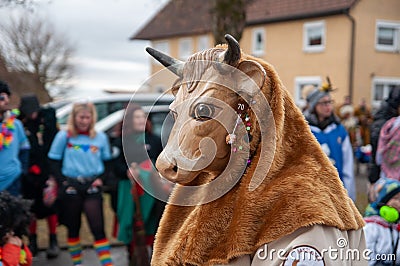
(175,168)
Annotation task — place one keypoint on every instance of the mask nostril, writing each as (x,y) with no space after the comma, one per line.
(175,168)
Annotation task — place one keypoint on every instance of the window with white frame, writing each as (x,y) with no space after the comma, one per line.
(381,88)
(300,83)
(387,36)
(203,43)
(185,48)
(162,46)
(258,42)
(314,36)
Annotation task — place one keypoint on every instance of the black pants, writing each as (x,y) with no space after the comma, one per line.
(78,197)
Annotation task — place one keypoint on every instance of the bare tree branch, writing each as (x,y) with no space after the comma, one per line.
(31,45)
(229,16)
(28,4)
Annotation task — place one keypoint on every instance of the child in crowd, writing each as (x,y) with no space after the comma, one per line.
(14,222)
(382,223)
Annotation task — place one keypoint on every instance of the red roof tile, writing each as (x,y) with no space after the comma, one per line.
(186,17)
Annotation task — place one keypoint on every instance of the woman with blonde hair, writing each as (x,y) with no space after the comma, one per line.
(79,157)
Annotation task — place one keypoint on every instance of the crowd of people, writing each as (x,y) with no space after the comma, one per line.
(342,134)
(58,175)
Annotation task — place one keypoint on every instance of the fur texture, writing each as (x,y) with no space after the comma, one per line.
(302,188)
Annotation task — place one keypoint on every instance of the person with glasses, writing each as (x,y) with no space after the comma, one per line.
(331,134)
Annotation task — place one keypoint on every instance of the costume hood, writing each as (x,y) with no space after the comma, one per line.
(302,188)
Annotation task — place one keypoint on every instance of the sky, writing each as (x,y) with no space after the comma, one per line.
(99,30)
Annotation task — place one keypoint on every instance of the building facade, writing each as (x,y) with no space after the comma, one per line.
(354,42)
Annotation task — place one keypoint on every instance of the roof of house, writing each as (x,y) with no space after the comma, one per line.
(187,17)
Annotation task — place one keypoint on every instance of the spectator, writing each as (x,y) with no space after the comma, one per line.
(79,161)
(350,123)
(388,152)
(15,218)
(382,227)
(364,116)
(14,146)
(141,149)
(40,126)
(388,109)
(346,102)
(331,135)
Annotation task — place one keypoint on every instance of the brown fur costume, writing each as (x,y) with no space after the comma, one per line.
(302,188)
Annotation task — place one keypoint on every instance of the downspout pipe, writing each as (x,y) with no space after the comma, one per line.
(351,59)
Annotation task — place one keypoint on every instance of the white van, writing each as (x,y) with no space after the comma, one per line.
(106,105)
(159,116)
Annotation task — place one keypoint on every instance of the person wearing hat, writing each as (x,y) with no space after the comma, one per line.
(389,109)
(14,145)
(331,134)
(40,127)
(382,222)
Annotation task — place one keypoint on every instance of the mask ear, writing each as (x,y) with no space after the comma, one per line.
(255,71)
(175,87)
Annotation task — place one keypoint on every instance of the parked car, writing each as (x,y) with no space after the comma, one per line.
(159,116)
(106,105)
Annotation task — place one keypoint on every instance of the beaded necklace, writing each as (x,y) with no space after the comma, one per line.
(231,138)
(7,128)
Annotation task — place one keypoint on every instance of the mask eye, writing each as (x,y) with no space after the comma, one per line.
(203,112)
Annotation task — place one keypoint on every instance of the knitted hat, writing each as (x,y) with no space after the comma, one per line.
(318,93)
(4,88)
(383,190)
(29,104)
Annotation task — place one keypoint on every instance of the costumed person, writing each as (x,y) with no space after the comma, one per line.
(389,109)
(14,222)
(251,177)
(79,161)
(382,222)
(40,127)
(140,151)
(331,135)
(14,145)
(350,123)
(364,116)
(388,152)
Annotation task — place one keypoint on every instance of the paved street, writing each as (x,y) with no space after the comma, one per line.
(118,254)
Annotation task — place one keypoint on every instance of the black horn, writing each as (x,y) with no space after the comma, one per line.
(232,55)
(174,65)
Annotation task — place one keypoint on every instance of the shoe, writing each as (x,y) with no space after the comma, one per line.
(53,250)
(33,244)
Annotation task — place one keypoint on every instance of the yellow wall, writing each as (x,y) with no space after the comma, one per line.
(370,63)
(162,77)
(284,50)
